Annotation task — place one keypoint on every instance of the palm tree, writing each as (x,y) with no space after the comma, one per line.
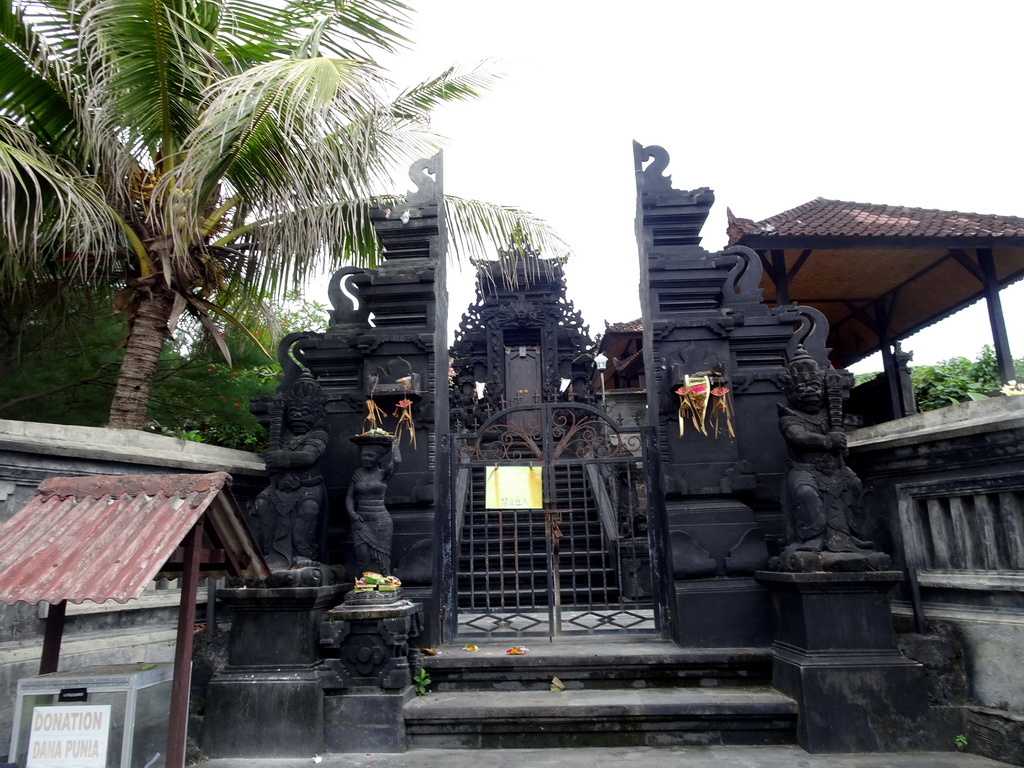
(205,153)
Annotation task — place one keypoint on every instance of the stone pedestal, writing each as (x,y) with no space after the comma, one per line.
(721,613)
(367,671)
(835,653)
(717,546)
(268,702)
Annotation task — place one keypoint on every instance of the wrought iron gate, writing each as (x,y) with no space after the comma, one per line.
(577,562)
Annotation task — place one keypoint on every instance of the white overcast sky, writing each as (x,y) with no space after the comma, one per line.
(770,104)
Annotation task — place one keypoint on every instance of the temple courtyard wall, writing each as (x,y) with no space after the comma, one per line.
(944,491)
(112,633)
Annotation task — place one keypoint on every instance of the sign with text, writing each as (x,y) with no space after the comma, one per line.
(514,488)
(69,737)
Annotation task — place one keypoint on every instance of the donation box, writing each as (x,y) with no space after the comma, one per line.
(95,717)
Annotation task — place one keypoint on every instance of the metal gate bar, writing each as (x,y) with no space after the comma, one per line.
(515,576)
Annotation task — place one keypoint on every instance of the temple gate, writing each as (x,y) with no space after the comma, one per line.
(549,519)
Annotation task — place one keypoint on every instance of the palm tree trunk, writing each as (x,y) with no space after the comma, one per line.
(147,335)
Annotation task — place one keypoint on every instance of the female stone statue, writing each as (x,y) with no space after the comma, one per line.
(372,527)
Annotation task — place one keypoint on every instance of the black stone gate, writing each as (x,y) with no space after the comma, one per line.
(574,559)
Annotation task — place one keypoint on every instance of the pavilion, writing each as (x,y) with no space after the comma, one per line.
(880,273)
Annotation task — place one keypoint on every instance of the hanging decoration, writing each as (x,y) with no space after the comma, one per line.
(693,402)
(695,395)
(375,416)
(721,411)
(403,411)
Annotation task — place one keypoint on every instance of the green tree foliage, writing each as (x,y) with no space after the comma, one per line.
(59,356)
(958,379)
(200,154)
(60,366)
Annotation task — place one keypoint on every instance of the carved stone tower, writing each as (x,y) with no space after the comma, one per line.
(521,342)
(385,346)
(707,331)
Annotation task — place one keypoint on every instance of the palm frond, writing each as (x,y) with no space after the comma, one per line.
(356,30)
(51,215)
(36,81)
(148,62)
(476,229)
(281,134)
(295,246)
(454,84)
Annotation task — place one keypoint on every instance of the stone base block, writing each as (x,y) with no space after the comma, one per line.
(835,654)
(263,714)
(877,704)
(365,722)
(730,612)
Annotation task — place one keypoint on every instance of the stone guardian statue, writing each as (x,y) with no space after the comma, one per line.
(822,494)
(286,515)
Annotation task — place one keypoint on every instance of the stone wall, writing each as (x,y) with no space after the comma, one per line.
(946,491)
(142,630)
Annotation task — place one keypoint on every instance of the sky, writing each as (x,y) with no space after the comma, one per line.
(771,103)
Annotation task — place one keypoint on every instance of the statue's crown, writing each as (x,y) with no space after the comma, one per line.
(307,391)
(802,367)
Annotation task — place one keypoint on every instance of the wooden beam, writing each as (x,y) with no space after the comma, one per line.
(779,277)
(52,636)
(214,556)
(965,261)
(800,261)
(860,313)
(1000,339)
(178,722)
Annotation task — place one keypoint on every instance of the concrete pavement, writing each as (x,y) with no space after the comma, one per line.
(618,757)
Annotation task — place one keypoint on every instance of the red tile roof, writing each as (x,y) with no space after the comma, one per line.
(105,538)
(838,218)
(632,326)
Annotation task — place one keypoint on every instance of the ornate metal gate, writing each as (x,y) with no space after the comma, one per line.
(575,560)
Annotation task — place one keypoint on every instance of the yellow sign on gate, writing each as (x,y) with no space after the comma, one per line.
(514,488)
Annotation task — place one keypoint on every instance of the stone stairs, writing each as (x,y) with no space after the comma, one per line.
(618,691)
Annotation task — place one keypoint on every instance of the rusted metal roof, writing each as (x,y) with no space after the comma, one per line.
(106,537)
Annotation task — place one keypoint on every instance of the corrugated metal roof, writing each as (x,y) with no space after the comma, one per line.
(106,537)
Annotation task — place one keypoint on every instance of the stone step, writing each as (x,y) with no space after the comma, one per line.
(589,662)
(587,718)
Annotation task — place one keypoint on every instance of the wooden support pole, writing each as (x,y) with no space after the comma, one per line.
(889,364)
(178,722)
(52,636)
(1000,340)
(780,277)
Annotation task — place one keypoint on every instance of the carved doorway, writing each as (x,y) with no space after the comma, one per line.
(522,380)
(575,558)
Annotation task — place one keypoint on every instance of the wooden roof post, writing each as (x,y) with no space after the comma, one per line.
(780,277)
(178,723)
(889,363)
(52,636)
(1000,340)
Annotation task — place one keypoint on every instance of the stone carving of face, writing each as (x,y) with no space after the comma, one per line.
(371,455)
(301,418)
(809,396)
